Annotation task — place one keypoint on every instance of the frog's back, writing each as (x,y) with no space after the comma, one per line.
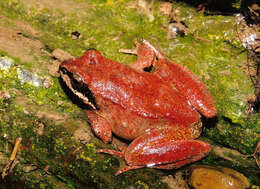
(143,93)
(129,125)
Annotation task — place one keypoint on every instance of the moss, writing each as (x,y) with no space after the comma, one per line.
(55,153)
(141,185)
(234,136)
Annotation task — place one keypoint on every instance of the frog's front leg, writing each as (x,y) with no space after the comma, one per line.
(100,125)
(163,148)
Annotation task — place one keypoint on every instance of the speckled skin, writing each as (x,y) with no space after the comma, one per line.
(157,110)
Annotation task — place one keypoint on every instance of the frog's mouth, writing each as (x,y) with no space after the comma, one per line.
(76,85)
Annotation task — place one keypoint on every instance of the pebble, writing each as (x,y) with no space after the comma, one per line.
(207,177)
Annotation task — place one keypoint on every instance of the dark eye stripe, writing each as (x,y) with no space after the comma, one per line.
(77,77)
(75,83)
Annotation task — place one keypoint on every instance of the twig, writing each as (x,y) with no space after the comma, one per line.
(12,161)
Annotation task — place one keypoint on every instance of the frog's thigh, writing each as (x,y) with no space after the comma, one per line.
(165,148)
(100,126)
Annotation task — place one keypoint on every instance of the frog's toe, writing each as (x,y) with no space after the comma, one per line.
(111,152)
(127,168)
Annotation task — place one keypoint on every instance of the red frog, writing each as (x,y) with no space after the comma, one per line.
(157,110)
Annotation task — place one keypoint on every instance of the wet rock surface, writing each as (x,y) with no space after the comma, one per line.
(203,177)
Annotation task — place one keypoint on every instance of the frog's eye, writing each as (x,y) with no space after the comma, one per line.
(92,59)
(77,77)
(63,70)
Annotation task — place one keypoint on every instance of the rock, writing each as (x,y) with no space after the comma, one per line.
(47,82)
(61,55)
(205,177)
(29,168)
(6,63)
(83,135)
(5,94)
(76,35)
(165,8)
(176,182)
(177,28)
(144,7)
(28,77)
(53,68)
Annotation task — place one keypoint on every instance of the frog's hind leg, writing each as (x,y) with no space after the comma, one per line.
(165,148)
(145,56)
(162,148)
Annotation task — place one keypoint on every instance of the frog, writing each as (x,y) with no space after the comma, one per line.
(154,103)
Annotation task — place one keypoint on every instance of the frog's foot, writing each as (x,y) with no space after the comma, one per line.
(112,152)
(145,56)
(127,168)
(131,51)
(158,54)
(128,51)
(100,126)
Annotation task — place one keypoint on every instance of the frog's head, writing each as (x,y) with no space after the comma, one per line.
(76,74)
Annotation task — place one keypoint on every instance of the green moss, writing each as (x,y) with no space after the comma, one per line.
(233,136)
(141,185)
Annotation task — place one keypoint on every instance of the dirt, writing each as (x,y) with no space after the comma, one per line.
(83,134)
(176,181)
(47,113)
(64,6)
(17,41)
